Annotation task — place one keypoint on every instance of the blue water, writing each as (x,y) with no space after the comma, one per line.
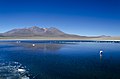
(64,59)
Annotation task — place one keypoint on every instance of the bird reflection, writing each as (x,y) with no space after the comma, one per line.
(100,57)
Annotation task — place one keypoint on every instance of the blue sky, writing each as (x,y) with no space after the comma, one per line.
(83,17)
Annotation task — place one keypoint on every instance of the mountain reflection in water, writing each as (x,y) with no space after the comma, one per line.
(45,47)
(38,46)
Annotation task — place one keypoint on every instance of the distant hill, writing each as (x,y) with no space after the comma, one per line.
(103,36)
(36,31)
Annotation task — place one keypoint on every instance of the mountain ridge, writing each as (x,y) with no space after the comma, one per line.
(36,31)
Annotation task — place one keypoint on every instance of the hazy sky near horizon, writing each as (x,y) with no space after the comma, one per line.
(83,17)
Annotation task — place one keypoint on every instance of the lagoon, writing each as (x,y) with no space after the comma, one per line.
(60,59)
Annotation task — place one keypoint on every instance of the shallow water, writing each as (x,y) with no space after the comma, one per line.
(63,60)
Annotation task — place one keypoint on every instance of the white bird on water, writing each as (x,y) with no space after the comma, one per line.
(18,41)
(101,52)
(33,45)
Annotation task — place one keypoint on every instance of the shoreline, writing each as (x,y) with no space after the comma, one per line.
(60,38)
